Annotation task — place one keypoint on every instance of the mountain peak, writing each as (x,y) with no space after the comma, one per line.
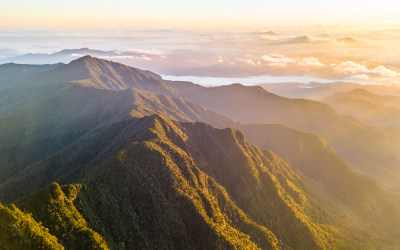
(346,40)
(271,33)
(268,33)
(99,73)
(85,59)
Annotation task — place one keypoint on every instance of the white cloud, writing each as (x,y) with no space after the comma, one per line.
(144,57)
(278,60)
(282,61)
(310,61)
(356,69)
(383,71)
(249,61)
(146,51)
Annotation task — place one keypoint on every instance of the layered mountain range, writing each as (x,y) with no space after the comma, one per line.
(98,155)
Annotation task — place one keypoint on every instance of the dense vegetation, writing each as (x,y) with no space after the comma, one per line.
(47,220)
(19,230)
(152,178)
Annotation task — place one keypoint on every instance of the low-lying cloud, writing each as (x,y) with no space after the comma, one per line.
(356,69)
(282,61)
(325,54)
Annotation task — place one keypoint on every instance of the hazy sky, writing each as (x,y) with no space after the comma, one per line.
(349,40)
(196,14)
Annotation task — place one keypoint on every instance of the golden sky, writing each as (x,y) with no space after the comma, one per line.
(348,40)
(197,14)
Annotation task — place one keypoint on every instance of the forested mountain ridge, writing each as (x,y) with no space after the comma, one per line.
(170,165)
(153,174)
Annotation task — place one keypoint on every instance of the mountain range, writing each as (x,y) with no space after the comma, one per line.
(382,110)
(318,91)
(98,155)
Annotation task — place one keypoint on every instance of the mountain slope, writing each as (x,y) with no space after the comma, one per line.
(359,103)
(350,137)
(169,181)
(54,208)
(316,159)
(11,73)
(150,182)
(59,117)
(363,94)
(239,196)
(364,200)
(47,220)
(85,71)
(319,91)
(89,71)
(380,115)
(19,230)
(190,177)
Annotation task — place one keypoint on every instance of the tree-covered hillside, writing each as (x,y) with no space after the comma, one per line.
(47,220)
(84,165)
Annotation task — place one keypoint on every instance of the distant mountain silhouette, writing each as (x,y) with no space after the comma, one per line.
(63,56)
(348,40)
(380,110)
(320,91)
(268,33)
(300,39)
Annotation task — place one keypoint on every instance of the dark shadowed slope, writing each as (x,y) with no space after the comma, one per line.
(85,71)
(11,73)
(55,119)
